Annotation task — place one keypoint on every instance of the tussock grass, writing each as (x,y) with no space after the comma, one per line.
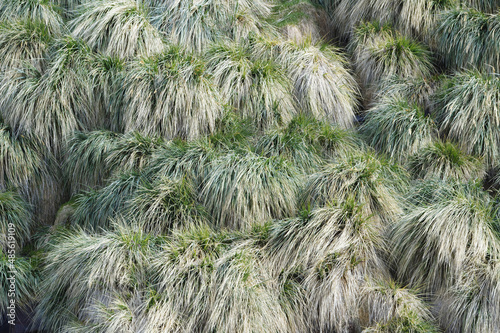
(119,28)
(488,6)
(23,40)
(392,308)
(15,218)
(254,84)
(165,205)
(24,167)
(217,283)
(26,282)
(232,133)
(42,11)
(380,52)
(469,38)
(300,20)
(133,152)
(419,90)
(96,210)
(335,250)
(245,189)
(471,305)
(469,113)
(121,312)
(51,105)
(398,128)
(215,178)
(306,142)
(323,85)
(361,177)
(413,18)
(171,95)
(347,14)
(107,75)
(445,160)
(420,18)
(83,270)
(86,159)
(449,225)
(196,25)
(183,160)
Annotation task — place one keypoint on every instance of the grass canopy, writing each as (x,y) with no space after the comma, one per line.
(434,239)
(445,160)
(171,95)
(24,40)
(361,177)
(469,113)
(255,85)
(322,83)
(119,28)
(469,39)
(332,252)
(16,221)
(380,52)
(398,128)
(245,189)
(196,25)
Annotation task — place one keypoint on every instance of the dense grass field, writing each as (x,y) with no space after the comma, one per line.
(250,166)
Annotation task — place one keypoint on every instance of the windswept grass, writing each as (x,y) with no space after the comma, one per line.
(26,281)
(380,52)
(23,40)
(416,18)
(23,166)
(52,105)
(222,166)
(398,128)
(132,152)
(361,177)
(96,210)
(118,28)
(83,269)
(26,168)
(469,113)
(107,75)
(166,205)
(434,239)
(306,142)
(245,189)
(469,38)
(471,305)
(301,20)
(171,95)
(120,312)
(420,91)
(420,18)
(86,159)
(217,283)
(196,25)
(292,146)
(488,6)
(232,132)
(15,220)
(445,160)
(392,308)
(183,160)
(183,271)
(348,14)
(35,10)
(337,248)
(323,85)
(255,85)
